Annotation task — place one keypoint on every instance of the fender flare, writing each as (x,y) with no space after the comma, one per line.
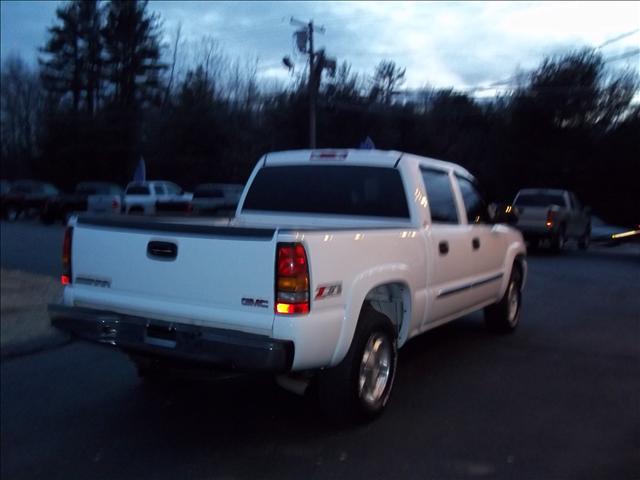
(360,287)
(516,252)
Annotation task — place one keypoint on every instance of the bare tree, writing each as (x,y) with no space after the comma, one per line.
(209,55)
(242,83)
(386,80)
(21,100)
(172,69)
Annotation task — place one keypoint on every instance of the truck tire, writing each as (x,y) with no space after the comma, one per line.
(47,216)
(585,240)
(359,387)
(559,240)
(152,373)
(12,214)
(504,316)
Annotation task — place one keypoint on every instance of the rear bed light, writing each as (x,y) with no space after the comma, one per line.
(329,155)
(292,279)
(66,256)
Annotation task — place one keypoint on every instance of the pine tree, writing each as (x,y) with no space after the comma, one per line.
(61,62)
(132,42)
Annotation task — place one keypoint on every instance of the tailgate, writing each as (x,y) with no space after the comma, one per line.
(102,203)
(215,276)
(532,216)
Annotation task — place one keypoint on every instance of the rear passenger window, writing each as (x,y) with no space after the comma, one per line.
(440,195)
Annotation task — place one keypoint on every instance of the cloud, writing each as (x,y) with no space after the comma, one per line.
(459,44)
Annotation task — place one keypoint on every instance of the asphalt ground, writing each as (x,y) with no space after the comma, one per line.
(559,399)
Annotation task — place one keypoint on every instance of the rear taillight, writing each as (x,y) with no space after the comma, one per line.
(115,205)
(66,256)
(292,279)
(551,215)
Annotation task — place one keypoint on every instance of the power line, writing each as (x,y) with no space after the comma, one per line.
(622,56)
(618,38)
(508,81)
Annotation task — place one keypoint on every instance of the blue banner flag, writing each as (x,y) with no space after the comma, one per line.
(367,144)
(140,174)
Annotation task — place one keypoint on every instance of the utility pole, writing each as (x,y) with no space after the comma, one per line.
(312,90)
(316,65)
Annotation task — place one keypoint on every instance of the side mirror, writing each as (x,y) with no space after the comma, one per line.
(503,213)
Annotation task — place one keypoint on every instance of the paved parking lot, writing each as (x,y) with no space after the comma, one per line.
(558,399)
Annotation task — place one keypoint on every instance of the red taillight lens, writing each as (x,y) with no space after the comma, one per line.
(66,256)
(292,260)
(550,218)
(292,308)
(292,279)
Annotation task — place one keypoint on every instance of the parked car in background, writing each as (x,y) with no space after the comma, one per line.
(103,196)
(552,215)
(26,198)
(150,197)
(5,185)
(107,201)
(215,198)
(610,235)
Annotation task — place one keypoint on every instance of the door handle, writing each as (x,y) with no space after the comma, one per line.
(443,247)
(162,250)
(475,243)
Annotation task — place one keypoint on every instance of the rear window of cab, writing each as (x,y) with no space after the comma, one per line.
(329,189)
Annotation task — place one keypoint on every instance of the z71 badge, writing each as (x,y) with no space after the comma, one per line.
(325,291)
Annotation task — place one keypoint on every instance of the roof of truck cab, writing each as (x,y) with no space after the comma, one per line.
(338,156)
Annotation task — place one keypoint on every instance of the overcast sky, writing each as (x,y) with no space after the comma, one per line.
(441,44)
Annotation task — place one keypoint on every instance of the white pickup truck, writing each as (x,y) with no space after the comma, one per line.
(334,260)
(145,197)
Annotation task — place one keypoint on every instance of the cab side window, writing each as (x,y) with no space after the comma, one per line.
(159,189)
(474,204)
(440,195)
(173,189)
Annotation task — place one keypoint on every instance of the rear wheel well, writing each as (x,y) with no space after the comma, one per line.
(392,300)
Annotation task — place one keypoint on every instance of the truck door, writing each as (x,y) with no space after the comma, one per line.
(487,244)
(448,248)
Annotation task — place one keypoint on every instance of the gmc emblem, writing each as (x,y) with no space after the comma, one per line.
(257,302)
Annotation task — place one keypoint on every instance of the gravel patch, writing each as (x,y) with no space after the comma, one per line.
(24,322)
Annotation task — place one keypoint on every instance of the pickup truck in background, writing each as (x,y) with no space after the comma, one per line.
(552,215)
(215,198)
(333,261)
(150,197)
(96,197)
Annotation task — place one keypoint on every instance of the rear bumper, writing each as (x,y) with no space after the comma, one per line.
(237,351)
(536,232)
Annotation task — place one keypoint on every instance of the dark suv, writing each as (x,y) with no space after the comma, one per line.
(26,198)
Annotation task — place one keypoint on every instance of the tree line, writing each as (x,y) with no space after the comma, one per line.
(107,91)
